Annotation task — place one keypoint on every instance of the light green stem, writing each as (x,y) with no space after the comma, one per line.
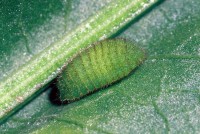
(27,81)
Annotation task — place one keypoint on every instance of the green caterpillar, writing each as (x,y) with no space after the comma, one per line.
(98,66)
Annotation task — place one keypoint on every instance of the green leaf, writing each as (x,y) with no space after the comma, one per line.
(160,96)
(29,80)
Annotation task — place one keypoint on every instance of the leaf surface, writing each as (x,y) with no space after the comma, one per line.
(160,96)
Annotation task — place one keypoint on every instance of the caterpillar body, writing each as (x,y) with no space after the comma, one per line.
(98,66)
